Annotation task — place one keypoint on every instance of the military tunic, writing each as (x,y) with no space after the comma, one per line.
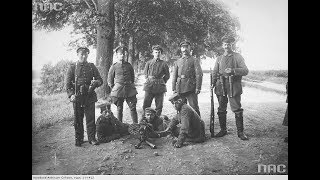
(110,128)
(235,61)
(192,126)
(186,78)
(121,80)
(84,104)
(157,74)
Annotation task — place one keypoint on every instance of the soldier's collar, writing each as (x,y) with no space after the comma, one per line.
(228,54)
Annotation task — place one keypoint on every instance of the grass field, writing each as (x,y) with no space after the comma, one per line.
(47,110)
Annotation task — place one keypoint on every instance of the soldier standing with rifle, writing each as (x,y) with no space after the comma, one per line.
(81,80)
(187,76)
(121,80)
(157,74)
(228,71)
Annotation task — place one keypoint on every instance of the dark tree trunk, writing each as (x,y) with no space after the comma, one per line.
(105,39)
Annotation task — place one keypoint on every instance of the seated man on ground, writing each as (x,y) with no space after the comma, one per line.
(109,127)
(192,127)
(157,123)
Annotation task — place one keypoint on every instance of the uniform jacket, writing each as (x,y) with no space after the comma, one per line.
(109,126)
(84,73)
(157,74)
(187,75)
(121,80)
(190,121)
(235,61)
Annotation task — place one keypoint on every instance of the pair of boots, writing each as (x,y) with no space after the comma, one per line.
(239,124)
(134,114)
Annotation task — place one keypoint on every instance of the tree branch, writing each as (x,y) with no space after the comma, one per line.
(95,4)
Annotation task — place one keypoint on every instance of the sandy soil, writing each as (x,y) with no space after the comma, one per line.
(53,150)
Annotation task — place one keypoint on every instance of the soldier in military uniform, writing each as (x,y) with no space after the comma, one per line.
(81,80)
(121,80)
(187,76)
(157,73)
(157,123)
(192,127)
(109,127)
(229,69)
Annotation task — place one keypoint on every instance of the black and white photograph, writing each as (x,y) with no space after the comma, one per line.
(159,87)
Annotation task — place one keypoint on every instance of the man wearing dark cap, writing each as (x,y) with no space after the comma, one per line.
(158,123)
(227,74)
(187,76)
(157,73)
(81,80)
(109,127)
(192,127)
(121,80)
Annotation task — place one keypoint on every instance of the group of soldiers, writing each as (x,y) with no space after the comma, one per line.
(187,126)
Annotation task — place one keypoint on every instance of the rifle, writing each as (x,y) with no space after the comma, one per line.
(142,130)
(212,104)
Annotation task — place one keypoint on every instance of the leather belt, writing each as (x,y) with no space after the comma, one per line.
(184,77)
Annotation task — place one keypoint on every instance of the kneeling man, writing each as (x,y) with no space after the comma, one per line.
(192,126)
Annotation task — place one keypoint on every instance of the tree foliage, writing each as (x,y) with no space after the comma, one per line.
(52,78)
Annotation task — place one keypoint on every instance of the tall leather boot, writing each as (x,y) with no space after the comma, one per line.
(119,113)
(223,124)
(134,116)
(239,124)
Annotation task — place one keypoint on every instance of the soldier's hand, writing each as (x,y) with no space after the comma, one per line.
(73,98)
(94,82)
(228,71)
(177,144)
(197,91)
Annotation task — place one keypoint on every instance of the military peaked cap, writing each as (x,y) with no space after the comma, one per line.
(174,97)
(83,49)
(228,39)
(157,47)
(150,110)
(122,48)
(185,43)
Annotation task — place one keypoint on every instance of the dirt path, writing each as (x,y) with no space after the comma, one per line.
(53,150)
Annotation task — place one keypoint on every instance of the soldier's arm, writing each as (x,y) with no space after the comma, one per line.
(132,73)
(166,72)
(69,80)
(146,68)
(241,69)
(97,76)
(174,76)
(111,75)
(215,72)
(199,73)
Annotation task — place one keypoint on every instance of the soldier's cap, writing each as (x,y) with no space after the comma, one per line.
(150,110)
(157,47)
(228,39)
(185,43)
(104,103)
(83,49)
(174,97)
(121,48)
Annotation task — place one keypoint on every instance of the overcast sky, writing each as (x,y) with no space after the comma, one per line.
(264,31)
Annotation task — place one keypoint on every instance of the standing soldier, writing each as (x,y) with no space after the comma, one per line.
(228,71)
(81,80)
(157,74)
(121,80)
(187,76)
